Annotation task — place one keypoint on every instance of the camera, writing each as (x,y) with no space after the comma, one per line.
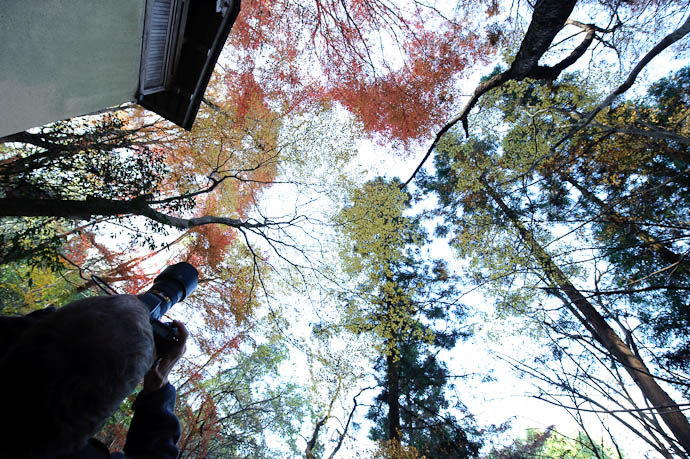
(171,286)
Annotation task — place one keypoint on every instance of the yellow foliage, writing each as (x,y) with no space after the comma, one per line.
(376,235)
(32,289)
(374,227)
(392,449)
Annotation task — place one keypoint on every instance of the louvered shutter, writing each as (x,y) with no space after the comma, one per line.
(159,42)
(156,48)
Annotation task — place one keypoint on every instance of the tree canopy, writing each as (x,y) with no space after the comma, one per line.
(333,297)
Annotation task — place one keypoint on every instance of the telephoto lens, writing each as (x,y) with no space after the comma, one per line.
(173,285)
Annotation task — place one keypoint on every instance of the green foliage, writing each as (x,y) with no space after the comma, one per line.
(671,98)
(429,420)
(250,406)
(25,288)
(35,241)
(634,189)
(550,444)
(618,189)
(408,303)
(73,159)
(478,230)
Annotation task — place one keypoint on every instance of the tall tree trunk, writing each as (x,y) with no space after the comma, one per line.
(393,390)
(668,409)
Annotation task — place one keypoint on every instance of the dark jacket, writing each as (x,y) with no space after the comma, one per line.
(153,433)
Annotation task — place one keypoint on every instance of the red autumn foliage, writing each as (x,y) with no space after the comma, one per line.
(199,426)
(209,245)
(410,102)
(392,66)
(112,265)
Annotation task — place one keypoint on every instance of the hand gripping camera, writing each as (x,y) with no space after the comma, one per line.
(171,286)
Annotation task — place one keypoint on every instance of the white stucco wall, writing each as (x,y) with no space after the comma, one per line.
(64,58)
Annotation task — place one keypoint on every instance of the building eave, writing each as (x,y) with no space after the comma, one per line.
(180,100)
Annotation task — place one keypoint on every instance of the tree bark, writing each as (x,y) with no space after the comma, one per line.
(548,19)
(393,397)
(309,451)
(591,318)
(85,209)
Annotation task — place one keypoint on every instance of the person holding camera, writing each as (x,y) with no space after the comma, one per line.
(64,372)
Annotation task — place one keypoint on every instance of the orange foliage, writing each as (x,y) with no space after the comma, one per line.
(111,265)
(199,426)
(209,245)
(409,103)
(391,66)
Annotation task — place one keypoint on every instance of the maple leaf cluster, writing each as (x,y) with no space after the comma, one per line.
(393,68)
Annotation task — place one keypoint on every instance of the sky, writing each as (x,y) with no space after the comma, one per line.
(503,398)
(506,397)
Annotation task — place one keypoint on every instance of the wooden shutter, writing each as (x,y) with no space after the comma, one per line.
(159,45)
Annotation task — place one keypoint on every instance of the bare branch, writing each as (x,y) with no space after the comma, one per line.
(667,41)
(548,19)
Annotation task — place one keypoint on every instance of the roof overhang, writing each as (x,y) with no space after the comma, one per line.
(182,42)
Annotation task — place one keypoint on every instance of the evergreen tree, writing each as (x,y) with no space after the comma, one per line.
(507,197)
(623,180)
(411,305)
